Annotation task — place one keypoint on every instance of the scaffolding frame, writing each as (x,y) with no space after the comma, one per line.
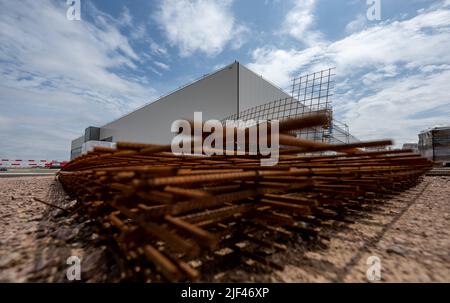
(308,93)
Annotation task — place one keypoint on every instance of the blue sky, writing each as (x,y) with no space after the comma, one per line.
(59,76)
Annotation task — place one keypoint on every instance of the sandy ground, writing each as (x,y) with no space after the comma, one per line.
(36,239)
(410,234)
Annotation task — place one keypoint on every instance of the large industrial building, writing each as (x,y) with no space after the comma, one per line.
(434,144)
(233,92)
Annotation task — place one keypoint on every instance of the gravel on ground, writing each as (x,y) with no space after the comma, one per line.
(409,234)
(36,240)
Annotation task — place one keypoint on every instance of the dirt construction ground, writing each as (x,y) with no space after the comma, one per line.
(409,234)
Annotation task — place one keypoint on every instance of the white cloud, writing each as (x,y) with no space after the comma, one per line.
(59,76)
(125,17)
(356,25)
(162,65)
(279,65)
(382,67)
(401,108)
(416,42)
(381,73)
(198,25)
(158,49)
(138,32)
(300,20)
(240,36)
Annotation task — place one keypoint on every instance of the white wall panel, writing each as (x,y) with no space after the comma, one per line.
(214,95)
(255,90)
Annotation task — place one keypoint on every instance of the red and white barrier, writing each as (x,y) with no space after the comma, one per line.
(19,163)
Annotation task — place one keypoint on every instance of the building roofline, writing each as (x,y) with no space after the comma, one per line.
(236,62)
(173,91)
(434,128)
(262,77)
(169,93)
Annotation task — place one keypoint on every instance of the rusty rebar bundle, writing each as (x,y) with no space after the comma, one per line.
(168,213)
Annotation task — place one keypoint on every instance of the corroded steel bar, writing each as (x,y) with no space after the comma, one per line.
(170,209)
(165,266)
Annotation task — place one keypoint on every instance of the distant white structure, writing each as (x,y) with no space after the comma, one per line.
(413,146)
(434,144)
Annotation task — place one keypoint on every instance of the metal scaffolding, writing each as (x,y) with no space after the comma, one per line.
(308,93)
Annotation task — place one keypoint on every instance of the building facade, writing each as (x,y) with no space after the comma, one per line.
(227,92)
(434,144)
(217,95)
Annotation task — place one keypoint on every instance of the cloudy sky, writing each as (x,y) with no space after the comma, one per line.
(58,76)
